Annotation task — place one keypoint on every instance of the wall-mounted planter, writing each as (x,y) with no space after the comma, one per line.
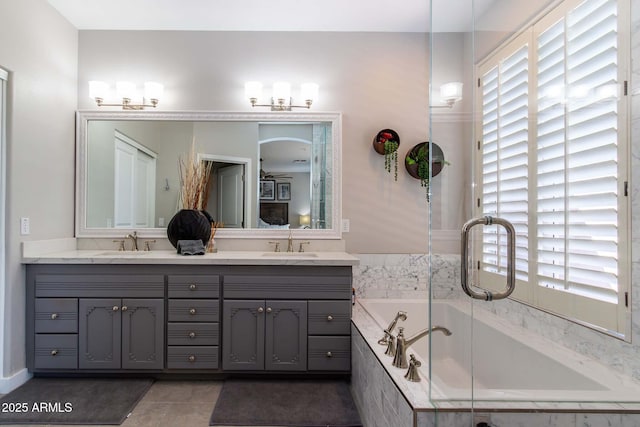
(416,162)
(386,143)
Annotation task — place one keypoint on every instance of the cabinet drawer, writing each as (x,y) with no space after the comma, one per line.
(188,357)
(194,286)
(187,310)
(193,333)
(56,315)
(56,351)
(329,317)
(329,354)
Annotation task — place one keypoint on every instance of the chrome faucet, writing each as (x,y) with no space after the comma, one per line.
(134,239)
(290,242)
(402,344)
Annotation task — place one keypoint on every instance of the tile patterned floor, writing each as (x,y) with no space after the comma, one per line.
(173,404)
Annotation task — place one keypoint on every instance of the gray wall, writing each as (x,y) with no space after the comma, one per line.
(39,49)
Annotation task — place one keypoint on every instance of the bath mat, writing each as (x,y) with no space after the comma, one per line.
(73,401)
(299,403)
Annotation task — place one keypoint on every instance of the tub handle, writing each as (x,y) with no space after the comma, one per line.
(511,259)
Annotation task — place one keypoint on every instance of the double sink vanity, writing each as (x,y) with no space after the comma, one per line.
(97,311)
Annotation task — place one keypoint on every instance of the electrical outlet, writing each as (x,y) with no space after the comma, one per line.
(345,225)
(161,222)
(24,226)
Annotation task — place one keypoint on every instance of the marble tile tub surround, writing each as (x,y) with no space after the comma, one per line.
(405,276)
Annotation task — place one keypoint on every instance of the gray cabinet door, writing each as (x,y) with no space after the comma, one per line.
(286,335)
(99,330)
(243,335)
(142,333)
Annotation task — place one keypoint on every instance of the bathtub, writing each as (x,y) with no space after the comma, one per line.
(509,363)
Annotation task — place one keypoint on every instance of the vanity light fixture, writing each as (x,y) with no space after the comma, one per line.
(450,93)
(281,95)
(126,91)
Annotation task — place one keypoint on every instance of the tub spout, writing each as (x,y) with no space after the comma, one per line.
(401,315)
(402,344)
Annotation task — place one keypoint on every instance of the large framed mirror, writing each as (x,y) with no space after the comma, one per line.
(271,172)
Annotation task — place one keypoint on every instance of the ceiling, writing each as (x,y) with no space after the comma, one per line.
(261,15)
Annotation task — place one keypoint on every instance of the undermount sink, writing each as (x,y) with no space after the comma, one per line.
(290,254)
(123,253)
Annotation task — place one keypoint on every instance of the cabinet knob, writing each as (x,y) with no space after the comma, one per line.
(192,311)
(329,318)
(329,354)
(115,308)
(125,308)
(260,309)
(54,352)
(54,316)
(192,358)
(192,334)
(193,286)
(268,309)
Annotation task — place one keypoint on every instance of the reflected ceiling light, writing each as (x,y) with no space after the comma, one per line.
(126,91)
(450,93)
(281,95)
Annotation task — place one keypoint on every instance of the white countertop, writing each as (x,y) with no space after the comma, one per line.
(75,256)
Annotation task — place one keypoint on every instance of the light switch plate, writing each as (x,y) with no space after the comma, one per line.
(24,226)
(345,225)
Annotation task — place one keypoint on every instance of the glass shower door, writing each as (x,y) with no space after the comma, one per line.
(539,146)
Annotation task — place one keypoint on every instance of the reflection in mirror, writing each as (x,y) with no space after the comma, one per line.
(268,171)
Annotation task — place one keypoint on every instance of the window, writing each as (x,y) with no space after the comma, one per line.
(553,161)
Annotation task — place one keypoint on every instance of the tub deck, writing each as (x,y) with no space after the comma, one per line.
(514,369)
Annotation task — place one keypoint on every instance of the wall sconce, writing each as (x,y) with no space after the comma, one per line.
(450,93)
(281,96)
(126,91)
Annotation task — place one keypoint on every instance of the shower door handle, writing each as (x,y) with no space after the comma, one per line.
(511,258)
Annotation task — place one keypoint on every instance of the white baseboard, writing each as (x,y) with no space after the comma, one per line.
(16,380)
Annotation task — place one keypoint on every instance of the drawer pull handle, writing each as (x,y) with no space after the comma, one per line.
(193,287)
(268,309)
(125,308)
(54,352)
(260,309)
(192,311)
(329,354)
(329,318)
(192,358)
(54,316)
(192,334)
(115,308)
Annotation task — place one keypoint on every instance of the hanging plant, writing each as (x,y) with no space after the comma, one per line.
(417,163)
(386,143)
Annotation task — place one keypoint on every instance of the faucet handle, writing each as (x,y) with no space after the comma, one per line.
(147,244)
(276,248)
(301,248)
(400,331)
(412,373)
(120,243)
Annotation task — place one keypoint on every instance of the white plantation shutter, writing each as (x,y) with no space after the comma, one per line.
(553,160)
(505,160)
(577,153)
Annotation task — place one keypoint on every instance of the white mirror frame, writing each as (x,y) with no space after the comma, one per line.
(335,118)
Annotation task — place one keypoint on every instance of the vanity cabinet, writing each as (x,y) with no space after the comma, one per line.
(211,319)
(193,327)
(301,324)
(95,318)
(265,335)
(121,333)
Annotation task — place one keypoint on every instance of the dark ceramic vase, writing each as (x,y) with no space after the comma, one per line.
(189,224)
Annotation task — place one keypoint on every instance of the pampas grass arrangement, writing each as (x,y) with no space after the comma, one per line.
(194,177)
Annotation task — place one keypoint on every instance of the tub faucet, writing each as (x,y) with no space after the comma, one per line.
(290,242)
(388,338)
(402,344)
